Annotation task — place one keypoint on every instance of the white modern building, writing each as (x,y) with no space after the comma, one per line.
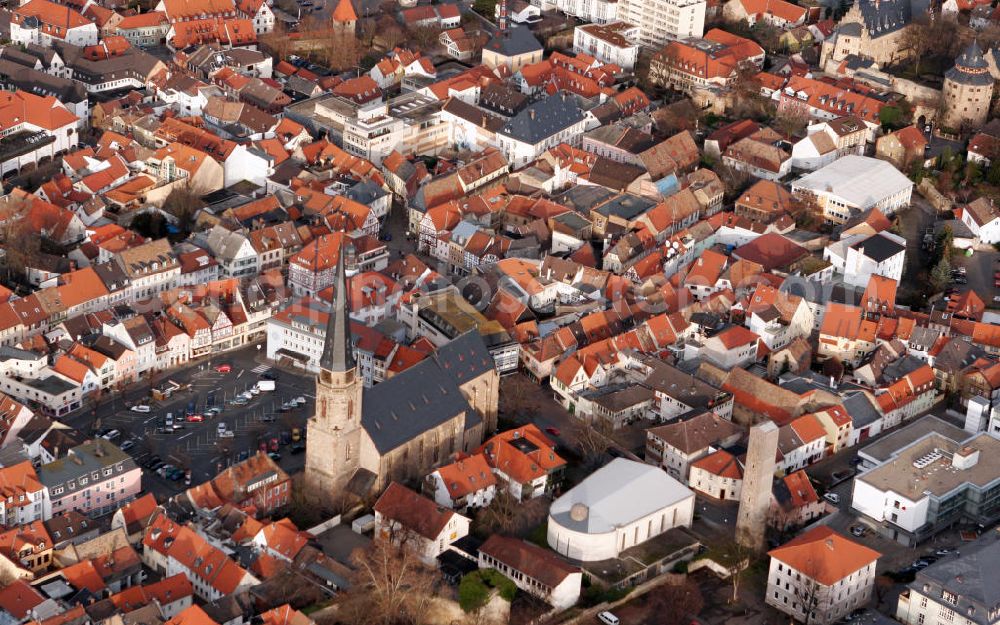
(859,257)
(616,43)
(926,477)
(820,576)
(663,20)
(621,505)
(853,184)
(596,11)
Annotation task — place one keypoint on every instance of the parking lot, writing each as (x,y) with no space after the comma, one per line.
(200,446)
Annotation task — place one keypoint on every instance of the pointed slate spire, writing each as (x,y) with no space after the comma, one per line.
(338,348)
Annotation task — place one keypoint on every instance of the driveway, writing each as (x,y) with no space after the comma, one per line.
(980,268)
(912,224)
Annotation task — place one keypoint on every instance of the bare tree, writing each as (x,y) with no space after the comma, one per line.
(184,203)
(593,439)
(735,557)
(676,604)
(916,39)
(424,36)
(390,586)
(517,397)
(501,516)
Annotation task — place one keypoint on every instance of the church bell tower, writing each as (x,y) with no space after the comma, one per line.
(333,437)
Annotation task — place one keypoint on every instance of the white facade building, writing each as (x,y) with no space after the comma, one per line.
(859,257)
(621,505)
(615,43)
(853,184)
(820,576)
(935,478)
(663,20)
(595,11)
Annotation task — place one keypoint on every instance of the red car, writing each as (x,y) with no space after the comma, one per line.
(195,418)
(223,368)
(262,445)
(274,444)
(553,431)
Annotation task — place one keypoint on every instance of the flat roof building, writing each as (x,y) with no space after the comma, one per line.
(935,477)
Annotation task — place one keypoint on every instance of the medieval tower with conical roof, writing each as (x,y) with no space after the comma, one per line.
(967,91)
(334,433)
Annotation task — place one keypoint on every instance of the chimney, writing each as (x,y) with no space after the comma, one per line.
(531,114)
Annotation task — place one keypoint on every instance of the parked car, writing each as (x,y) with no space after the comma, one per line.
(858,530)
(195,418)
(286,437)
(243,455)
(112,435)
(553,431)
(127,445)
(833,498)
(608,618)
(274,456)
(296,434)
(269,375)
(262,445)
(944,551)
(297,448)
(223,368)
(148,464)
(140,408)
(274,443)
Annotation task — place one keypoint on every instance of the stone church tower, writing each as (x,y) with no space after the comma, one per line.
(967,91)
(758,478)
(334,433)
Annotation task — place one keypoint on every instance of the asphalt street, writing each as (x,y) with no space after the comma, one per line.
(198,447)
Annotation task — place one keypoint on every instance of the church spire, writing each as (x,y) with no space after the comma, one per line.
(338,348)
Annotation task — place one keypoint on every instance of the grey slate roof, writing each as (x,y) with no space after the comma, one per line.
(863,412)
(971,68)
(879,247)
(543,119)
(411,403)
(515,41)
(82,461)
(974,577)
(338,352)
(465,358)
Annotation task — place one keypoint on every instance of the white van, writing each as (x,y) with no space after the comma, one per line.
(608,618)
(265,386)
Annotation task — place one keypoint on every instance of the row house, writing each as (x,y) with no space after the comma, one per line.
(197,328)
(94,478)
(172,549)
(674,447)
(150,267)
(136,336)
(800,443)
(907,397)
(23,498)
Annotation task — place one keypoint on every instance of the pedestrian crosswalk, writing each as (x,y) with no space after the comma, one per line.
(261,369)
